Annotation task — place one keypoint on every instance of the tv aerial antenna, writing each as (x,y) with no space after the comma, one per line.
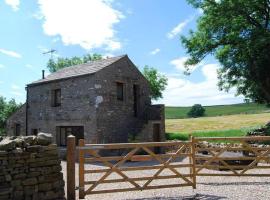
(49,52)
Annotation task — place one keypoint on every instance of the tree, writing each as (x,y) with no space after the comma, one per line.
(60,63)
(196,111)
(6,109)
(237,32)
(157,81)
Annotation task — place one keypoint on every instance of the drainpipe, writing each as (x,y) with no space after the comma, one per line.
(43,74)
(26,112)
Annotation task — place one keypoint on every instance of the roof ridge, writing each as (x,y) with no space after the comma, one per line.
(79,69)
(90,62)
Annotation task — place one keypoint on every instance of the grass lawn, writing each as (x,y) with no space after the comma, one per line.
(218,133)
(221,110)
(221,126)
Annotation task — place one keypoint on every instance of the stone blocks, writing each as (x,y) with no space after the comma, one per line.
(29,170)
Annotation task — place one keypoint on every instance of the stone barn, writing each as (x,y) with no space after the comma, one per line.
(105,101)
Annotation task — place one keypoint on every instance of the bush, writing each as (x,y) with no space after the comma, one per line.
(196,111)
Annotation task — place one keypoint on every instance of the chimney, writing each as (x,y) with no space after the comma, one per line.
(43,74)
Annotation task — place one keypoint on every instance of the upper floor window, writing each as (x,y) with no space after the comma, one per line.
(120,91)
(56,97)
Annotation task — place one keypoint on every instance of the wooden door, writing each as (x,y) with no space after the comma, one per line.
(156,136)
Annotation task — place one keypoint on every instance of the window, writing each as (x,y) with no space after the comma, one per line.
(120,91)
(56,97)
(17,131)
(34,131)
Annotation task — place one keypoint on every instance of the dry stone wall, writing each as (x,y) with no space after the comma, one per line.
(30,168)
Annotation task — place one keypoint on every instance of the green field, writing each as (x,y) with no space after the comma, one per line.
(220,110)
(219,126)
(214,133)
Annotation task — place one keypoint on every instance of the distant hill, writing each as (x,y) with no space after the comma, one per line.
(219,110)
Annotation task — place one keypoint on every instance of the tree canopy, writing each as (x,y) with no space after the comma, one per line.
(6,109)
(157,81)
(60,63)
(196,111)
(237,33)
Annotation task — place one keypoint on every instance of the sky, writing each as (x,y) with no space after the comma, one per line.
(148,31)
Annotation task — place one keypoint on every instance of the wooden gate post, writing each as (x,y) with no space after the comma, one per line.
(71,149)
(193,161)
(81,170)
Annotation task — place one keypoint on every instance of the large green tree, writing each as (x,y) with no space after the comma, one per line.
(55,65)
(6,109)
(157,81)
(237,33)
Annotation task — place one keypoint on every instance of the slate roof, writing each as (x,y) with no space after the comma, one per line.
(78,70)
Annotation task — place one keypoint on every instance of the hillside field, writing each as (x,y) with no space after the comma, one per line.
(220,126)
(220,110)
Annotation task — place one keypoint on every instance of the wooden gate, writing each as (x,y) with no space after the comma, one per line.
(103,167)
(99,173)
(233,156)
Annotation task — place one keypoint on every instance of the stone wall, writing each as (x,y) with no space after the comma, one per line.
(30,169)
(77,106)
(17,118)
(115,118)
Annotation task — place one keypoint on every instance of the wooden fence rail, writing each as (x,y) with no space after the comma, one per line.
(131,163)
(235,157)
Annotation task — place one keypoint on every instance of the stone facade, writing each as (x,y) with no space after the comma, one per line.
(17,118)
(90,101)
(30,169)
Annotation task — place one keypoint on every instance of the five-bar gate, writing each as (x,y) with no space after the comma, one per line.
(120,167)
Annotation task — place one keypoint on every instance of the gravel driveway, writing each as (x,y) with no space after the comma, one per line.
(207,188)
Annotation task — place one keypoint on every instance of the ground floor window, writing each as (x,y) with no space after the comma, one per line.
(64,131)
(17,130)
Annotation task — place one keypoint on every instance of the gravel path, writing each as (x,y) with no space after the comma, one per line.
(213,188)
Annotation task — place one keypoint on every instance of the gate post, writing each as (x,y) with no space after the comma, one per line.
(71,148)
(81,170)
(193,161)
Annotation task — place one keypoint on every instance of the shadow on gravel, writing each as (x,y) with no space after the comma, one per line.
(193,197)
(236,183)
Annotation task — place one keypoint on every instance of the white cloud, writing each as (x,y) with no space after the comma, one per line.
(13,3)
(179,64)
(155,51)
(15,87)
(89,24)
(182,92)
(210,71)
(179,28)
(10,53)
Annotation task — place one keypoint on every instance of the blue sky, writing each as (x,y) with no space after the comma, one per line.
(147,30)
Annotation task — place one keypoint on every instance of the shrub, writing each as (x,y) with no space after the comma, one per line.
(196,111)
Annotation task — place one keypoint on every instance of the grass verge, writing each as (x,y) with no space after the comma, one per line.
(216,133)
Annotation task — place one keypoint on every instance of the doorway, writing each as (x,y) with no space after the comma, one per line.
(64,131)
(156,136)
(17,130)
